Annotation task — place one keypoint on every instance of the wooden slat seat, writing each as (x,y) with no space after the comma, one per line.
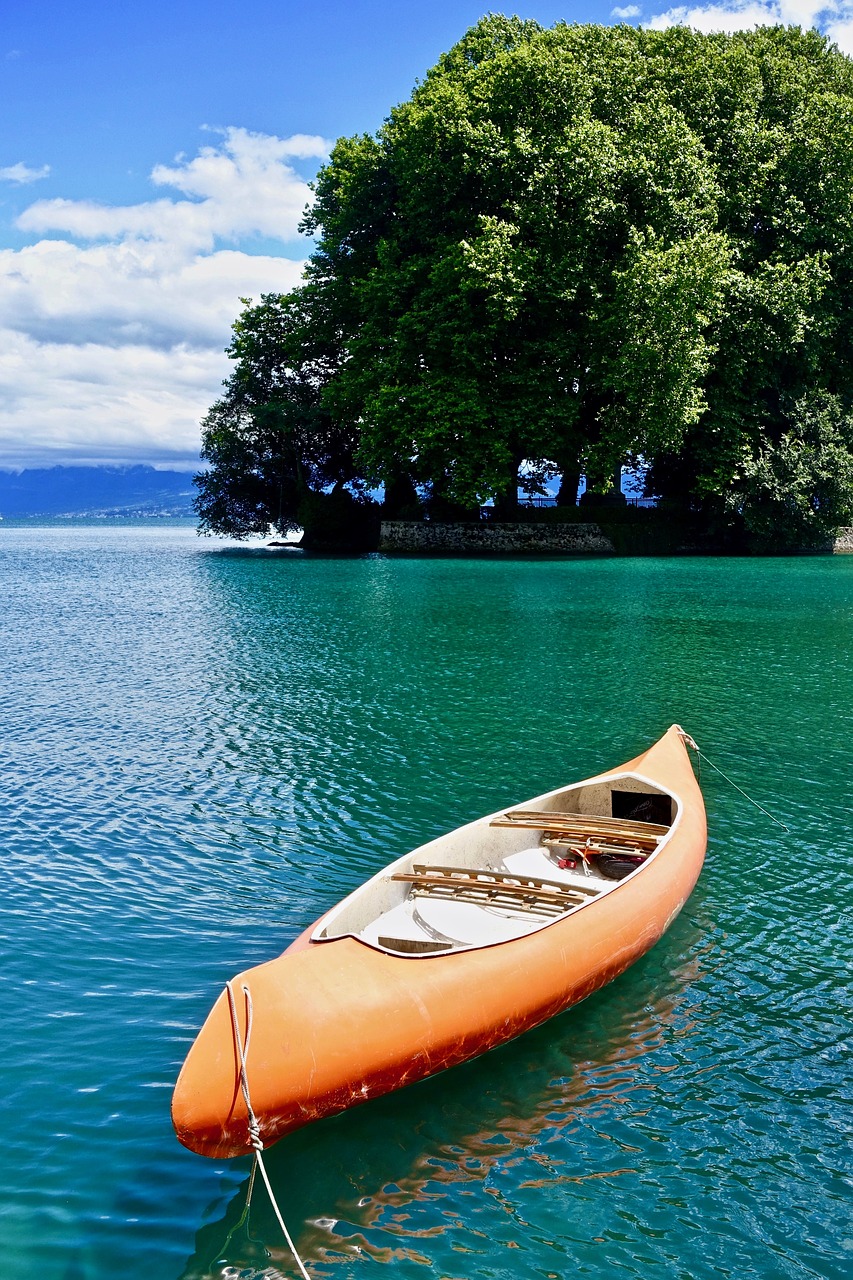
(506,877)
(497,888)
(484,894)
(645,835)
(551,817)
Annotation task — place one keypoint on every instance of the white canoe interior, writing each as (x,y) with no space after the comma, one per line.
(511,873)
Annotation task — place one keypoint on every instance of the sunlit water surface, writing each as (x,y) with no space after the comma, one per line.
(204,748)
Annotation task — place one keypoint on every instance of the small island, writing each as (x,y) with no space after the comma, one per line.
(573,252)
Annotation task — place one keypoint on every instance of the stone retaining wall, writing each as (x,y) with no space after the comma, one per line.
(482,538)
(504,538)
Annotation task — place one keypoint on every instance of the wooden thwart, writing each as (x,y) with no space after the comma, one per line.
(497,889)
(646,835)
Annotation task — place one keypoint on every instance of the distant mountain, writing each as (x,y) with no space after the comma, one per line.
(96,491)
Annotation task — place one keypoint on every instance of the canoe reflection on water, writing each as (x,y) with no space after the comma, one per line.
(384,1180)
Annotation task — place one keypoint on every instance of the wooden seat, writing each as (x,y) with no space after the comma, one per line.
(513,892)
(578,826)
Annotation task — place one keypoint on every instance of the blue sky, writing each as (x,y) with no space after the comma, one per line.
(153,168)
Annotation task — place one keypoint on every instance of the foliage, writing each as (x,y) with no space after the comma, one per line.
(270,441)
(242,491)
(531,262)
(796,492)
(569,249)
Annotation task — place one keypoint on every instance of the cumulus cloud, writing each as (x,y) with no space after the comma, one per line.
(63,403)
(131,293)
(243,187)
(833,17)
(112,328)
(21,173)
(629,11)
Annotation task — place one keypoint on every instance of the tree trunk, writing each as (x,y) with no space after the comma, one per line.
(401,497)
(567,495)
(506,502)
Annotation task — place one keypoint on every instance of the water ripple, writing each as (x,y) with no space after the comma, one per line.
(205,750)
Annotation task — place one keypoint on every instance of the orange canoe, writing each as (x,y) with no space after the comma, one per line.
(457,947)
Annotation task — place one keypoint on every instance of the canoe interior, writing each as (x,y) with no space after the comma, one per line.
(512,873)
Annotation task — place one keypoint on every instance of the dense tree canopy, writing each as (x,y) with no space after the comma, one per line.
(575,247)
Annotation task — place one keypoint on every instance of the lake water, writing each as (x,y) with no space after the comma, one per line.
(204,748)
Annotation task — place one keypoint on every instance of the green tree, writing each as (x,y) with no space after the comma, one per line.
(278,457)
(528,257)
(796,491)
(569,249)
(775,110)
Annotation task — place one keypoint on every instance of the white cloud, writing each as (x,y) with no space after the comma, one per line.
(90,403)
(833,17)
(243,187)
(22,173)
(131,292)
(112,330)
(717,17)
(629,11)
(841,30)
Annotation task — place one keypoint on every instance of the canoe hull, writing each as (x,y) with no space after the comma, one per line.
(336,1023)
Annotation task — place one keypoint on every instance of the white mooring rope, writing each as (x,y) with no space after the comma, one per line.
(254,1127)
(701,754)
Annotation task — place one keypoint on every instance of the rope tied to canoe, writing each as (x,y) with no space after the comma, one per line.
(253,1125)
(690,742)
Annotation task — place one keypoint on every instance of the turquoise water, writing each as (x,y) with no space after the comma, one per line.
(204,748)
